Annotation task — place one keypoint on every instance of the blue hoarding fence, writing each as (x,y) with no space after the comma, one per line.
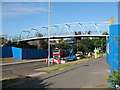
(34,53)
(20,53)
(17,52)
(113,48)
(5,52)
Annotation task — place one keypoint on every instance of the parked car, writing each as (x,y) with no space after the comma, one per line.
(86,53)
(79,54)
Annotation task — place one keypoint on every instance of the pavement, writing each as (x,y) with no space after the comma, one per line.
(89,74)
(20,62)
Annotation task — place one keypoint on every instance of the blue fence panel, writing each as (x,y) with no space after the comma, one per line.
(20,53)
(113,58)
(0,52)
(34,53)
(5,52)
(114,46)
(17,52)
(44,54)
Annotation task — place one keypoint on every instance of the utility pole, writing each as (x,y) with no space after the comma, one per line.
(49,36)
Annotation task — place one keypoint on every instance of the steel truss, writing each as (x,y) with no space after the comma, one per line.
(66,29)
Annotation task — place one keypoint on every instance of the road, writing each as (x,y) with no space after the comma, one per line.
(21,69)
(89,74)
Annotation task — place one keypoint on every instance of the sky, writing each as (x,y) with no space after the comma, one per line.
(17,16)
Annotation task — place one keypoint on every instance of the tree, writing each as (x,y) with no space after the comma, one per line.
(105,33)
(38,34)
(85,45)
(97,42)
(100,42)
(62,45)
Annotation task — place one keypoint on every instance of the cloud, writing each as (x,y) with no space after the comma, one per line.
(20,9)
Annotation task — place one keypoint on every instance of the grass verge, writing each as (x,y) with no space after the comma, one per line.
(8,78)
(9,60)
(61,67)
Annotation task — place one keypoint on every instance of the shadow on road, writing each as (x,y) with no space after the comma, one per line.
(24,82)
(31,82)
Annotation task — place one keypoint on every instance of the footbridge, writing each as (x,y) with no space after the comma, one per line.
(66,30)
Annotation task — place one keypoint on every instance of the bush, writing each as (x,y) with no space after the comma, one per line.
(114,78)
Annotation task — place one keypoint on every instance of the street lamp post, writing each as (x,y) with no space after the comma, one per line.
(49,36)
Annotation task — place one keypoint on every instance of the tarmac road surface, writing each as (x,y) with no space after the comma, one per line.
(89,74)
(22,69)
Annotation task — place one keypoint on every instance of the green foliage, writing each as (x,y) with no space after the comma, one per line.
(43,44)
(114,77)
(9,42)
(105,33)
(38,34)
(62,44)
(84,45)
(101,42)
(97,42)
